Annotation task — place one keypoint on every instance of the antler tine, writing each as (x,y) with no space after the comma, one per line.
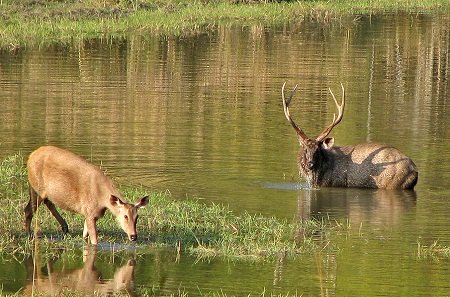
(336,120)
(286,103)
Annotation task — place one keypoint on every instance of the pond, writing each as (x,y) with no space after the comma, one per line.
(201,116)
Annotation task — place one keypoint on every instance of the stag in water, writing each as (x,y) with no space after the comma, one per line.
(365,165)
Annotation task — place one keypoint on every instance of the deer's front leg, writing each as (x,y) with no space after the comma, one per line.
(90,230)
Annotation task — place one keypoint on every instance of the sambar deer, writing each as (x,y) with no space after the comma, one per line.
(366,165)
(60,178)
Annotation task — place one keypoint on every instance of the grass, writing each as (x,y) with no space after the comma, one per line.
(202,229)
(434,251)
(27,23)
(155,292)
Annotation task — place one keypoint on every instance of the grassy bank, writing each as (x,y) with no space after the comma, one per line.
(32,23)
(201,229)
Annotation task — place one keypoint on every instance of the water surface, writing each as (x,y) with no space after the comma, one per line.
(201,116)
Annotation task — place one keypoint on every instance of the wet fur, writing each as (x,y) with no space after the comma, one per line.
(367,165)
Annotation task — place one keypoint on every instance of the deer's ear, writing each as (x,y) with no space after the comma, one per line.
(141,203)
(116,200)
(328,143)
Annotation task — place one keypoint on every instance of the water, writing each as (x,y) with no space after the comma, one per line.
(201,116)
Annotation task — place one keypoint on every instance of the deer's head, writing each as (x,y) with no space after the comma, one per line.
(312,156)
(126,214)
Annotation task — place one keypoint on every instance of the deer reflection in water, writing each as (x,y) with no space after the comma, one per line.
(376,208)
(43,279)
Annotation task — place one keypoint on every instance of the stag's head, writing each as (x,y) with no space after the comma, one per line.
(313,157)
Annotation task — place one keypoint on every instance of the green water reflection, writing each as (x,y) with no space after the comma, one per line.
(201,116)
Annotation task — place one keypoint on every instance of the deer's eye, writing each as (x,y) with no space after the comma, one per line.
(126,217)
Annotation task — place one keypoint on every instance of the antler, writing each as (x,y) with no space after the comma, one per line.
(336,120)
(286,103)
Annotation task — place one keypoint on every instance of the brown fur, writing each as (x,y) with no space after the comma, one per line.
(367,165)
(60,178)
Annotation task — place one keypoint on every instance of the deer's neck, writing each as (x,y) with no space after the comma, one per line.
(322,173)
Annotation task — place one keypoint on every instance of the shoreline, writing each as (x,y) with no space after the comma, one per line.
(26,24)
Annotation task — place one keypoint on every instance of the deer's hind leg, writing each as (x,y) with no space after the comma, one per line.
(31,208)
(58,217)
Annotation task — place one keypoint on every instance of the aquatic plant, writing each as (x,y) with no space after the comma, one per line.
(433,251)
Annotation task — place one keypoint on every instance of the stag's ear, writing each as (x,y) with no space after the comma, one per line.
(328,143)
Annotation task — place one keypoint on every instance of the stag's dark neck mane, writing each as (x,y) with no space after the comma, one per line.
(320,174)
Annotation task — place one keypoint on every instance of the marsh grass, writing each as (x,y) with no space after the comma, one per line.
(26,23)
(434,251)
(193,226)
(213,230)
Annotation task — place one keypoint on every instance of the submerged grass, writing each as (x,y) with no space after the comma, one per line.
(144,292)
(434,251)
(32,22)
(201,229)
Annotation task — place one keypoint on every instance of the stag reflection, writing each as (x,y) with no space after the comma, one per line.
(43,278)
(377,207)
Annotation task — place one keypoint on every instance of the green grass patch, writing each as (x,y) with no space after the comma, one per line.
(193,226)
(26,23)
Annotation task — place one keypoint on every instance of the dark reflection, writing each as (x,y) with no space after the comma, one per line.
(44,278)
(326,264)
(323,266)
(377,207)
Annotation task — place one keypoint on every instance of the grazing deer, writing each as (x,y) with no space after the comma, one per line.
(366,165)
(60,178)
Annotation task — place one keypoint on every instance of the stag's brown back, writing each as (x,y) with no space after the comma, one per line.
(370,165)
